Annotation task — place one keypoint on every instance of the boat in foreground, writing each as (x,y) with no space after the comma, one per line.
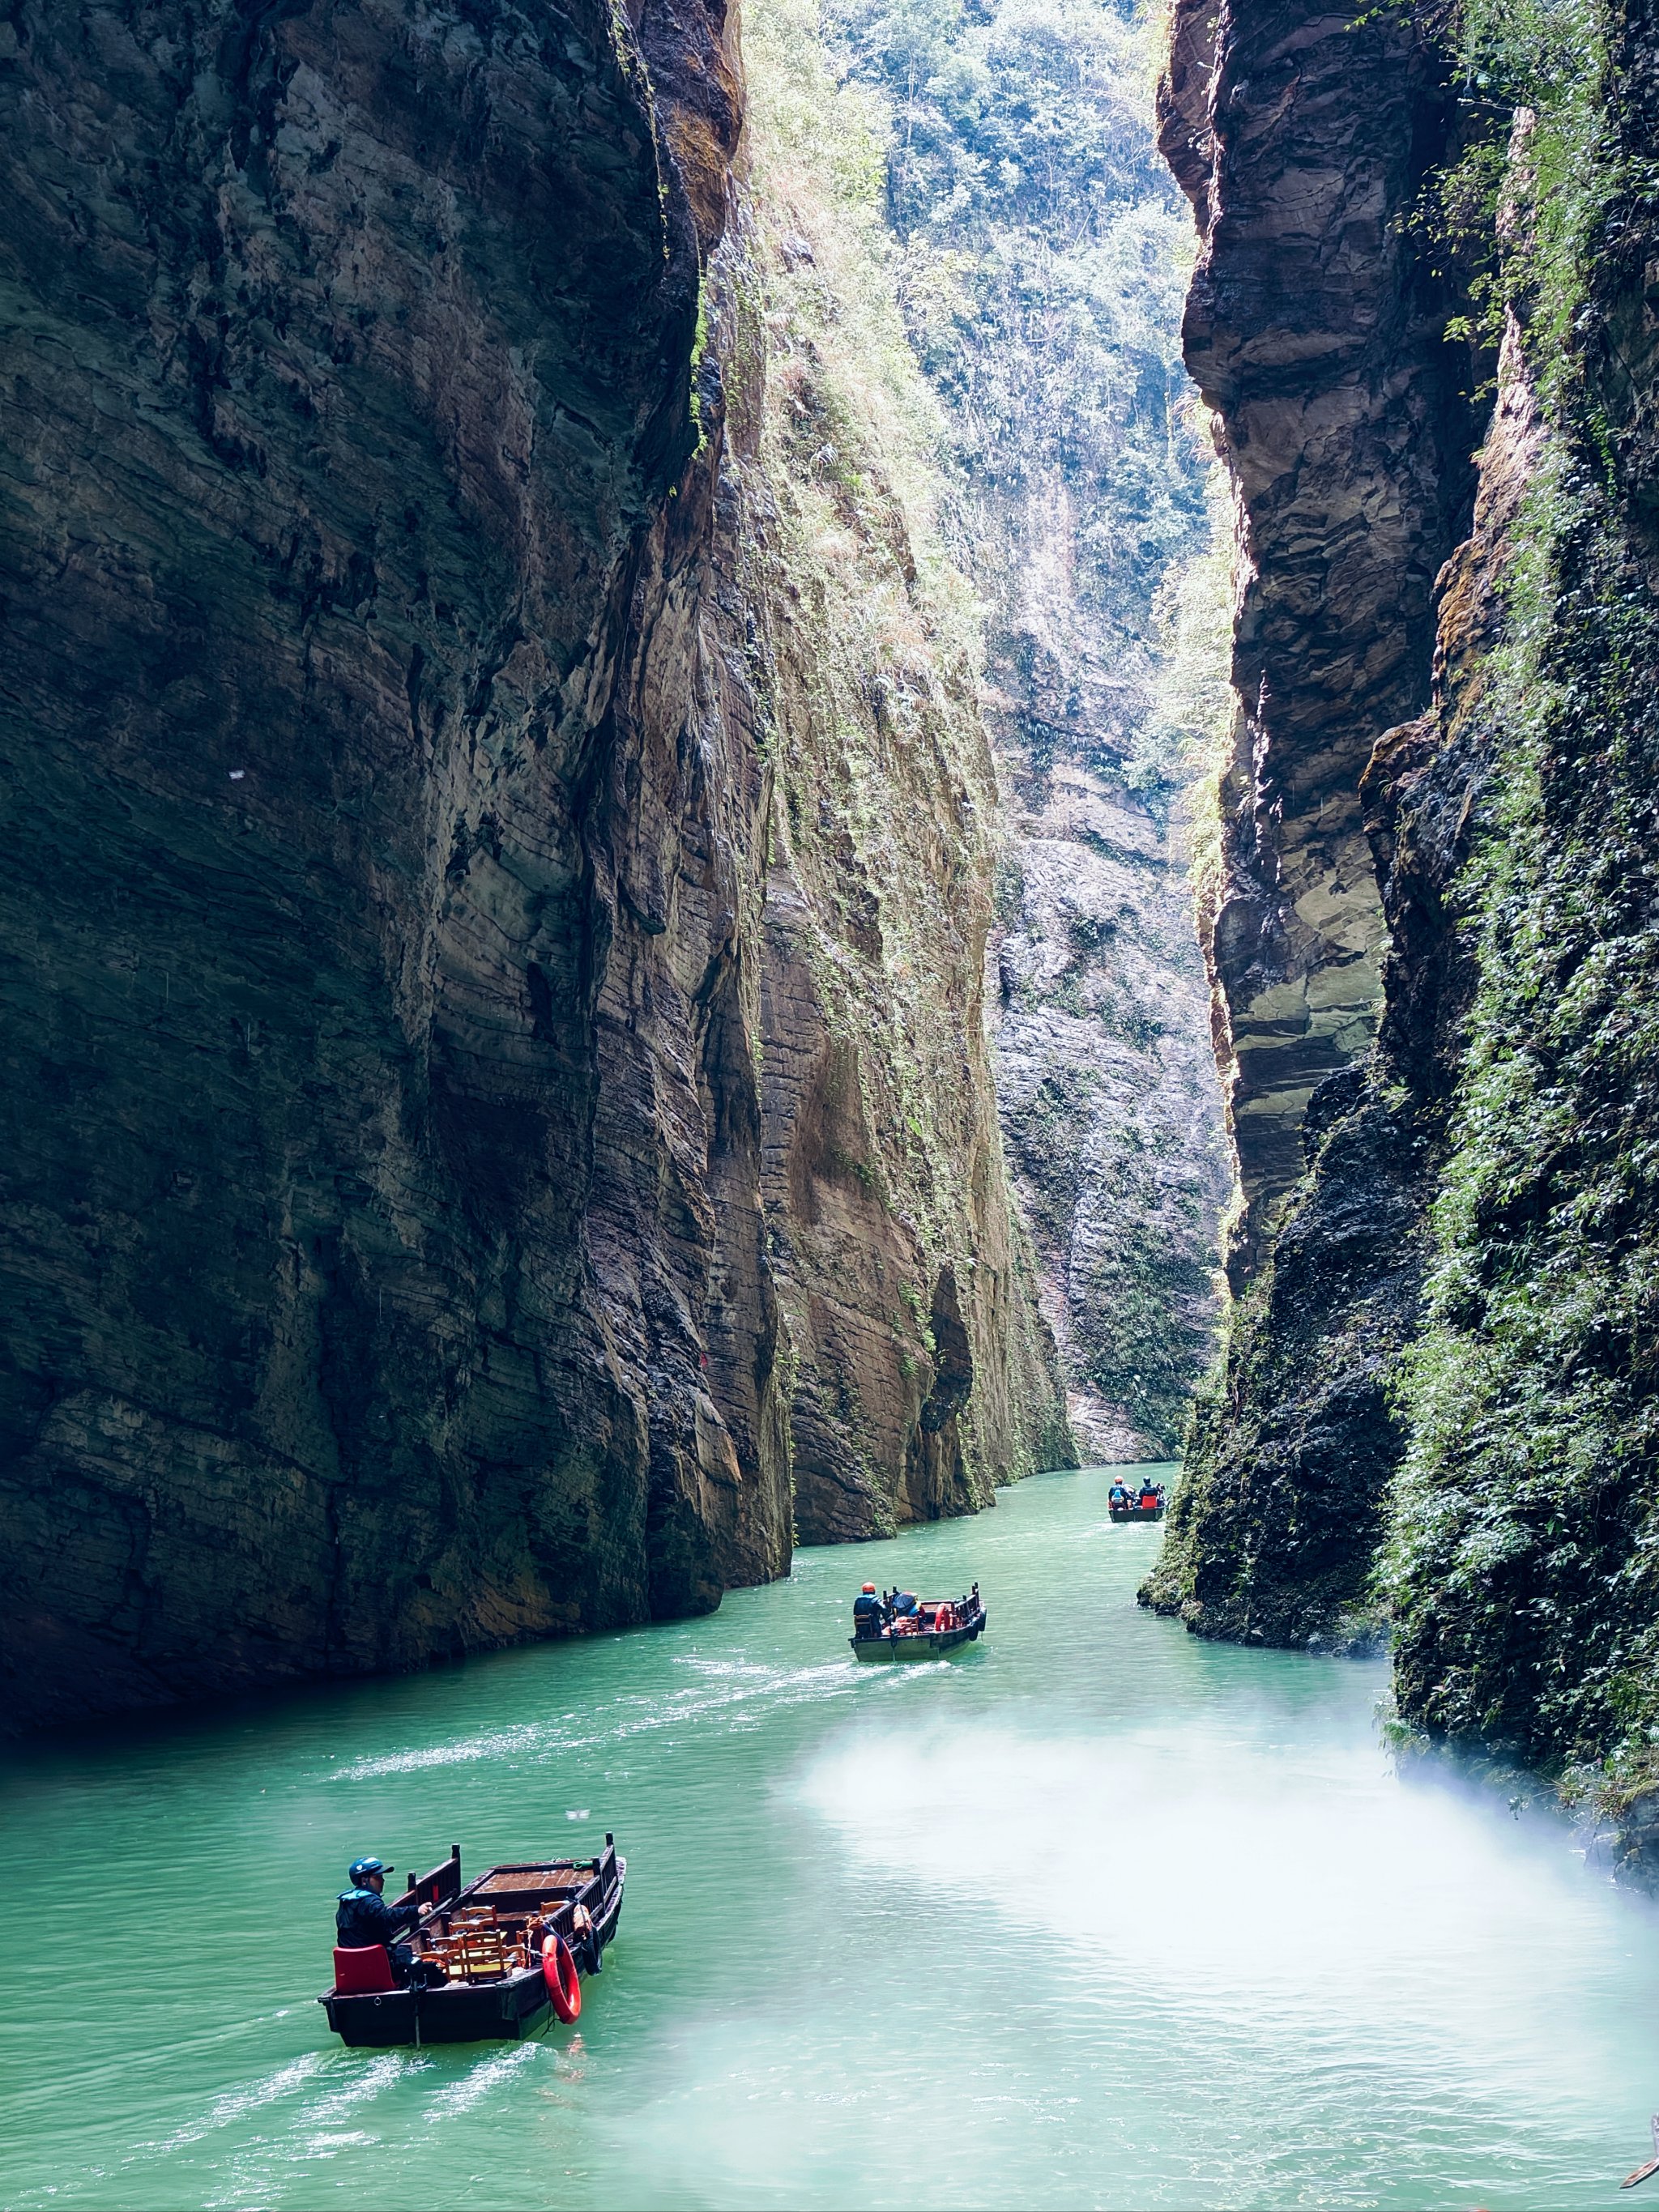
(936,1625)
(497,1956)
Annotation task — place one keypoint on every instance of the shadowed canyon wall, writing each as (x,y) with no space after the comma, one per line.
(405,1054)
(1438,1406)
(1303,141)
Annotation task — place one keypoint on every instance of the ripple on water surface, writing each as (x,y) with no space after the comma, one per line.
(1092,1914)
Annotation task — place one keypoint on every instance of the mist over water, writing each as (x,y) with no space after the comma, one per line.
(1092,1915)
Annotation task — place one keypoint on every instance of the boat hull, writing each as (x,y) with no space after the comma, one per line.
(926,1646)
(1131,1513)
(472,2012)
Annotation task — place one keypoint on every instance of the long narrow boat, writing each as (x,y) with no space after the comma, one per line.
(935,1627)
(510,1948)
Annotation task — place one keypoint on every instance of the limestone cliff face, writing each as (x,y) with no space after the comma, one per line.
(1440,1398)
(921,1374)
(1303,140)
(386,1268)
(1106,1082)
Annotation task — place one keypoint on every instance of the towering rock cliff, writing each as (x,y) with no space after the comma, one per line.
(1317,334)
(404,1059)
(1042,249)
(1442,1343)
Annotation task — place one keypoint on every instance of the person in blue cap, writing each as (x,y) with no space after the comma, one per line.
(365,1917)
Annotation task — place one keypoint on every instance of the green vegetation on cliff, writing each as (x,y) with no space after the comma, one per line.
(1524,1563)
(1441,1395)
(1040,250)
(1044,256)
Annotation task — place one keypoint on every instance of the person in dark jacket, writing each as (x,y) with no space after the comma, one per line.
(868,1615)
(365,1917)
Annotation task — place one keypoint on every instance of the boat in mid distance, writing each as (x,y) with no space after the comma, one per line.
(1149,1503)
(497,1957)
(936,1625)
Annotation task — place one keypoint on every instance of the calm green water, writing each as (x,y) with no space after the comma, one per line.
(1092,1915)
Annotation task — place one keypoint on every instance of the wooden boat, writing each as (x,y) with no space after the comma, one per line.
(486,1941)
(1134,1511)
(936,1626)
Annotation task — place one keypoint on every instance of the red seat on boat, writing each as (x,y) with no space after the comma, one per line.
(362,1973)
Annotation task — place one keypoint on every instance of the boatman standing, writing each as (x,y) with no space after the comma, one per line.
(365,1917)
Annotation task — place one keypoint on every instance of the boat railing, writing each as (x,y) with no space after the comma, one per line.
(440,1887)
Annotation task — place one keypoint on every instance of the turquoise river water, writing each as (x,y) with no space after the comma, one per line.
(1092,1914)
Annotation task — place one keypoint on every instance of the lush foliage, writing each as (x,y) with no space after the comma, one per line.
(1045,254)
(1524,1563)
(1510,212)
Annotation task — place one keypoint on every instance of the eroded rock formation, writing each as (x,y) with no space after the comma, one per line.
(1303,138)
(1445,1338)
(1303,141)
(387,1272)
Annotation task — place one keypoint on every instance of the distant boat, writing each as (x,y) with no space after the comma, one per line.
(936,1625)
(1138,1507)
(498,1956)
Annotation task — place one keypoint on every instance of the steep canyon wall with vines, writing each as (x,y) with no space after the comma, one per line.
(1436,1414)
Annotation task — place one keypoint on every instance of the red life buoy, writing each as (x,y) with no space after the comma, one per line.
(559,1972)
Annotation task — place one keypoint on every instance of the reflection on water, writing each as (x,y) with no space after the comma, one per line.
(1089,1914)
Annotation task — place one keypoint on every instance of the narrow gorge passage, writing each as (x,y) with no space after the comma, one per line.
(1043,254)
(770,764)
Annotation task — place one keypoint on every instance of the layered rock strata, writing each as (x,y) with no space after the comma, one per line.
(922,1373)
(1317,334)
(387,1267)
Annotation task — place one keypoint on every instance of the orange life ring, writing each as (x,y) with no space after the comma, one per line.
(559,1972)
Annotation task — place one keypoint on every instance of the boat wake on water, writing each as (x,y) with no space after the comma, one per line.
(542,1742)
(478,2083)
(1160,1846)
